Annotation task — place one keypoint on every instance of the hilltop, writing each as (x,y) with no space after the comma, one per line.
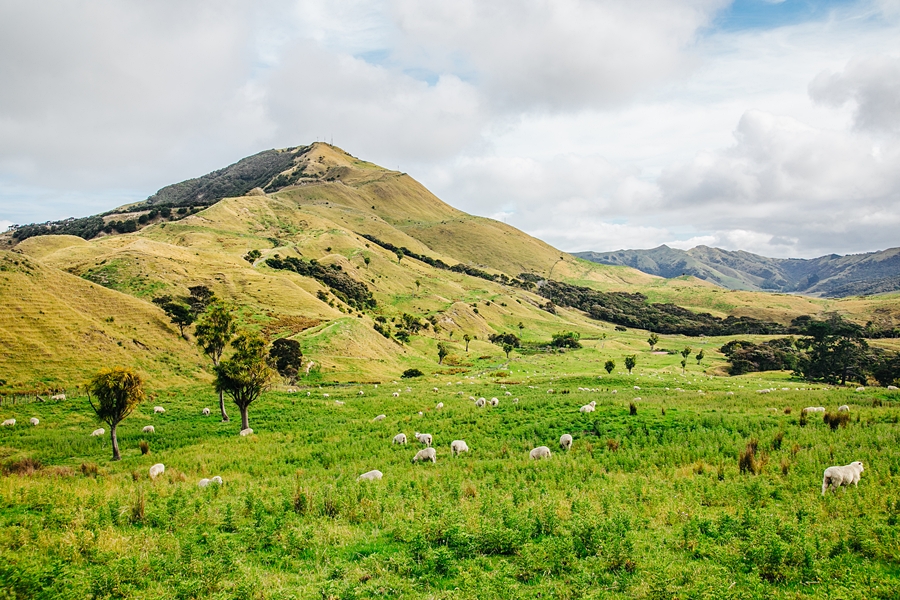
(831,276)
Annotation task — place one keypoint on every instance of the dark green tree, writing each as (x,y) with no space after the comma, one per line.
(833,351)
(245,375)
(467,338)
(508,348)
(367,260)
(286,358)
(178,312)
(630,362)
(443,351)
(700,356)
(653,340)
(399,254)
(114,394)
(566,339)
(214,332)
(609,366)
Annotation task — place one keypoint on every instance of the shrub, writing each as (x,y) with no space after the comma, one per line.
(612,445)
(145,447)
(747,460)
(22,466)
(776,441)
(409,373)
(632,409)
(89,469)
(837,419)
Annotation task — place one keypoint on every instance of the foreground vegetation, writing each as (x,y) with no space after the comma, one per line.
(646,505)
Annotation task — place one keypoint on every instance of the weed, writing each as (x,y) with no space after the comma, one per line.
(787,410)
(612,445)
(776,441)
(89,469)
(22,466)
(747,459)
(632,409)
(785,466)
(837,419)
(145,447)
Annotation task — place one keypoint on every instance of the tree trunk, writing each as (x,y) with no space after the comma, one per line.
(245,421)
(115,441)
(225,418)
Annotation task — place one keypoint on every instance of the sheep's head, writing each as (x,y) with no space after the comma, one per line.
(859,465)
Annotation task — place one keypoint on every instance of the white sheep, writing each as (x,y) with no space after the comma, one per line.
(439,406)
(34,420)
(246,432)
(494,402)
(860,389)
(587,408)
(148,429)
(205,412)
(98,432)
(507,393)
(361,393)
(203,483)
(637,387)
(158,410)
(425,454)
(396,394)
(565,441)
(843,408)
(892,387)
(58,397)
(457,446)
(540,452)
(372,475)
(435,390)
(813,409)
(424,438)
(835,477)
(515,400)
(9,423)
(216,480)
(400,438)
(380,418)
(338,403)
(157,470)
(326,395)
(480,402)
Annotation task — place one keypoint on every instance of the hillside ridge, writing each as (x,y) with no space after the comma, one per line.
(829,276)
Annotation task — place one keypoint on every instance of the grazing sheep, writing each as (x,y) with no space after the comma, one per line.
(205,412)
(892,387)
(860,389)
(157,470)
(507,393)
(729,393)
(98,432)
(813,409)
(420,413)
(435,390)
(515,400)
(835,477)
(246,432)
(379,418)
(326,395)
(148,429)
(480,402)
(338,403)
(615,392)
(372,475)
(587,408)
(637,387)
(34,420)
(361,393)
(158,410)
(58,397)
(424,438)
(457,446)
(540,452)
(425,454)
(400,438)
(396,394)
(203,482)
(217,480)
(439,406)
(843,408)
(494,402)
(9,423)
(565,442)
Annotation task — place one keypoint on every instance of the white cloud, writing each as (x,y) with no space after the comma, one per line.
(4,225)
(872,84)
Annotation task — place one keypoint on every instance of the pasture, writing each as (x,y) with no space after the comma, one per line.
(645,505)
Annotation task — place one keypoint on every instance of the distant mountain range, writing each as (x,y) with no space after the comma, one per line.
(831,276)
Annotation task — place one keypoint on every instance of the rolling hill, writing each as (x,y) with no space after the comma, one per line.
(344,219)
(831,276)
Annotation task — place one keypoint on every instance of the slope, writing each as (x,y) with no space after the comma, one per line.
(57,329)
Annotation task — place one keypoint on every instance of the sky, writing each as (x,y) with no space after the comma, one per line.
(758,125)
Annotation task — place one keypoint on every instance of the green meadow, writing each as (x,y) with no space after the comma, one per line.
(645,505)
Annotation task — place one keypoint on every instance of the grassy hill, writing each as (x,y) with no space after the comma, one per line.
(57,329)
(323,216)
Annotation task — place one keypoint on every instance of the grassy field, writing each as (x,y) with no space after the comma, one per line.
(645,505)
